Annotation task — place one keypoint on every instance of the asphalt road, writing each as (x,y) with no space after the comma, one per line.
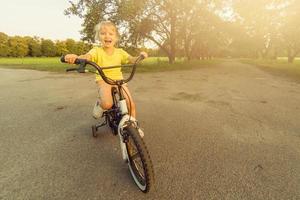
(225,132)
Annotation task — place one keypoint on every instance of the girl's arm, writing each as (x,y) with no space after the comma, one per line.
(133,59)
(70,58)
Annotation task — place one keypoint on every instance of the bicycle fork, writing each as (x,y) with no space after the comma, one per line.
(125,121)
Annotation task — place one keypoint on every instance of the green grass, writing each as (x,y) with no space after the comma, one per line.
(277,67)
(42,64)
(151,64)
(158,64)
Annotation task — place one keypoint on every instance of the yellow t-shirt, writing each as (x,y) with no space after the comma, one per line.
(118,57)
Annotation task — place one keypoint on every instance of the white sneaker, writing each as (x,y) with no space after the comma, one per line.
(97,111)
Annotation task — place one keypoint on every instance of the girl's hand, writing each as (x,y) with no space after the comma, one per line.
(144,54)
(70,58)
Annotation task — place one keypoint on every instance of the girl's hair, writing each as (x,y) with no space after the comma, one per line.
(102,24)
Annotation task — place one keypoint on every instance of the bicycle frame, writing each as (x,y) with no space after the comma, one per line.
(125,119)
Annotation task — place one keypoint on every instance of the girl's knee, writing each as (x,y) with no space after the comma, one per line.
(105,105)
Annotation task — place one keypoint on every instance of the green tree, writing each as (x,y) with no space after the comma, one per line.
(4,49)
(92,12)
(82,48)
(144,19)
(48,48)
(61,48)
(71,45)
(34,46)
(18,46)
(158,21)
(290,29)
(154,20)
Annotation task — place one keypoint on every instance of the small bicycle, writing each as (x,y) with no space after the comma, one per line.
(134,150)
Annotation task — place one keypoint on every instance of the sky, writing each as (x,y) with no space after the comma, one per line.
(42,18)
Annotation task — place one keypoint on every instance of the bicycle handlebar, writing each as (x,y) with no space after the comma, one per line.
(84,62)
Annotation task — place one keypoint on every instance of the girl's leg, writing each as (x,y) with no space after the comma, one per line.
(106,98)
(105,95)
(129,101)
(131,105)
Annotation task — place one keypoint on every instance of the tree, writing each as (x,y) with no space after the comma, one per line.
(158,21)
(18,46)
(4,49)
(144,19)
(203,36)
(34,46)
(61,48)
(71,46)
(290,29)
(154,20)
(82,48)
(92,12)
(48,48)
(270,25)
(252,17)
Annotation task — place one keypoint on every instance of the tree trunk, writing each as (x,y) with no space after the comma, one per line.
(172,37)
(187,48)
(275,54)
(291,56)
(291,59)
(171,57)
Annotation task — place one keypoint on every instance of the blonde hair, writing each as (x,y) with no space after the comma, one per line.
(102,24)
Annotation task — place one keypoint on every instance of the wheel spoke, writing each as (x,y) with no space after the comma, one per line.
(140,169)
(136,159)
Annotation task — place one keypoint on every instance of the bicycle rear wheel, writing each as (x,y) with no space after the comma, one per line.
(139,161)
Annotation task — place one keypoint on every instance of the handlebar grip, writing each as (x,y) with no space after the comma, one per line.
(79,61)
(62,59)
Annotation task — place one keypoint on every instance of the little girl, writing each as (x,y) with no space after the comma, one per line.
(104,56)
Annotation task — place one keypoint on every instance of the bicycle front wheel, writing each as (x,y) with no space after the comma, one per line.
(139,161)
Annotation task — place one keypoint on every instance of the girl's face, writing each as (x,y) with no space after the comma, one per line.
(108,36)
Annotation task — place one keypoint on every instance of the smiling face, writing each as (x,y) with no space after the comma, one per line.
(108,36)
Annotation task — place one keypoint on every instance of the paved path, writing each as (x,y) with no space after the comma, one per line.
(226,132)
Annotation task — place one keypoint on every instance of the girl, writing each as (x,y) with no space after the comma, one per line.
(108,55)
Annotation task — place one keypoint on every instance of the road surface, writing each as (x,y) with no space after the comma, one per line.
(226,132)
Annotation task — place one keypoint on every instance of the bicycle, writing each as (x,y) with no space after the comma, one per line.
(133,148)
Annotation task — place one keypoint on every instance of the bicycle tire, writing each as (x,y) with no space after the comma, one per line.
(134,139)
